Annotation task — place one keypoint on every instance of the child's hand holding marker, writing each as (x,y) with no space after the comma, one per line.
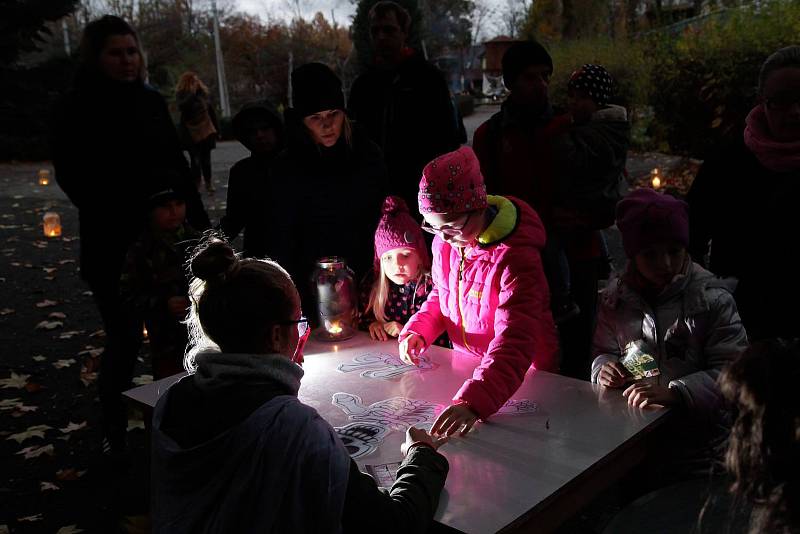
(411,348)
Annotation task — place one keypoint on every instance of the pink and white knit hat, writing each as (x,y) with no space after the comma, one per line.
(452,183)
(397,229)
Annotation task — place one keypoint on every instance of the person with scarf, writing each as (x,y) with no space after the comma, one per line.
(743,204)
(113,144)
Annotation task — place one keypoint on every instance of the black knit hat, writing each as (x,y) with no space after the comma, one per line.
(595,80)
(315,88)
(522,55)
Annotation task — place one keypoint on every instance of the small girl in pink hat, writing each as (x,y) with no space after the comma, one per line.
(490,294)
(401,280)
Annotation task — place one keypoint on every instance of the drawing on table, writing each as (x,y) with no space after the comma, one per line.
(518,407)
(397,413)
(360,439)
(384,474)
(385,366)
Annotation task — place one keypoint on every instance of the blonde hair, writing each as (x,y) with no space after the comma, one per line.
(380,288)
(190,83)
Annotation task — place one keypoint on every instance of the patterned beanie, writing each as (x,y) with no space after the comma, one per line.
(397,229)
(595,80)
(645,217)
(452,183)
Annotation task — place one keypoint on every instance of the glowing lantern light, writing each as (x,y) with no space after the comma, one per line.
(44,177)
(655,178)
(52,224)
(336,299)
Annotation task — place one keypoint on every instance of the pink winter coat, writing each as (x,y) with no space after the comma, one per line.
(494,303)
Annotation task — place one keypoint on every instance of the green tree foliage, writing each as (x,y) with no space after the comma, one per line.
(23,25)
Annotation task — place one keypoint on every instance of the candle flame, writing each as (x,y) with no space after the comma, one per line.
(335,328)
(656,182)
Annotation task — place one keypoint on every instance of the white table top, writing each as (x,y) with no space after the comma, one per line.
(504,467)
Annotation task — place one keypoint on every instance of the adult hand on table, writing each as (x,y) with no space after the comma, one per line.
(613,375)
(418,437)
(454,418)
(411,348)
(641,394)
(377,332)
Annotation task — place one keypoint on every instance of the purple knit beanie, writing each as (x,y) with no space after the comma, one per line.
(452,183)
(645,217)
(397,229)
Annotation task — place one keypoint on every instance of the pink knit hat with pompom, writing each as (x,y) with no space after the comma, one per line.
(397,229)
(452,183)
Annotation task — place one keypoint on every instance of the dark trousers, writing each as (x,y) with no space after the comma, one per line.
(576,334)
(200,155)
(123,340)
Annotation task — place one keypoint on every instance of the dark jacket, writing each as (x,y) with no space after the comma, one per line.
(249,195)
(408,113)
(154,272)
(277,465)
(518,158)
(748,214)
(112,145)
(327,202)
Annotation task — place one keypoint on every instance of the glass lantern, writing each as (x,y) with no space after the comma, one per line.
(52,224)
(337,296)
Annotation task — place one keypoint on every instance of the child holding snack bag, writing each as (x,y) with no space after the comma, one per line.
(666,327)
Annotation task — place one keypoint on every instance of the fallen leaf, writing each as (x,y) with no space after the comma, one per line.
(72,427)
(35,452)
(57,315)
(15,381)
(9,404)
(39,244)
(32,432)
(70,529)
(91,352)
(69,334)
(28,265)
(46,303)
(49,325)
(87,293)
(6,311)
(64,262)
(98,333)
(49,270)
(39,358)
(16,264)
(31,518)
(69,474)
(134,424)
(46,486)
(141,380)
(60,364)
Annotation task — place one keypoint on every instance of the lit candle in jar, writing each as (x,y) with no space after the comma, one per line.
(335,328)
(656,179)
(52,224)
(44,177)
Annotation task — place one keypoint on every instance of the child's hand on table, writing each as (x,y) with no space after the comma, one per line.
(454,418)
(393,328)
(418,436)
(411,348)
(377,332)
(613,375)
(642,394)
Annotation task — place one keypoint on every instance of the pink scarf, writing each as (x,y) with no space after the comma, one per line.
(774,155)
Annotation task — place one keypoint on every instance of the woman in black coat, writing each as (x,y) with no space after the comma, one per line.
(328,185)
(113,146)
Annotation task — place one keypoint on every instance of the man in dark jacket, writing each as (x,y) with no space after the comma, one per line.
(404,103)
(517,151)
(259,127)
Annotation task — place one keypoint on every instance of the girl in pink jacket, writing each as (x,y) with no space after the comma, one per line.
(489,292)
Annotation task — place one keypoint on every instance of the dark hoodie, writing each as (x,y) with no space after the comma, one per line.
(249,195)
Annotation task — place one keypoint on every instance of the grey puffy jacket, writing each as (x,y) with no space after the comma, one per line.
(693,331)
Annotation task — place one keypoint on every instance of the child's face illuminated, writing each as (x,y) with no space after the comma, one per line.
(661,262)
(325,127)
(401,265)
(169,216)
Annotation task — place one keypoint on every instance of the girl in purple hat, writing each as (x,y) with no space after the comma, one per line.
(667,327)
(490,294)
